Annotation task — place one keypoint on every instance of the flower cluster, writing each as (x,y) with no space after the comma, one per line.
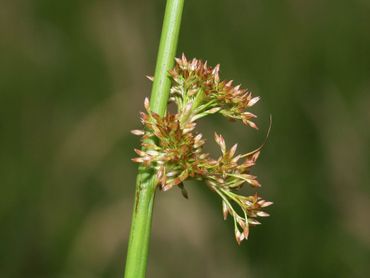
(171,146)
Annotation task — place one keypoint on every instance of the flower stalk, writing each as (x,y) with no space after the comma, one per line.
(137,253)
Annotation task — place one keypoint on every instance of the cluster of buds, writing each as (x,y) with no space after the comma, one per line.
(171,146)
(195,82)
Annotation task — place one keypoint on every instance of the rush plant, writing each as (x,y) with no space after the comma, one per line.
(172,150)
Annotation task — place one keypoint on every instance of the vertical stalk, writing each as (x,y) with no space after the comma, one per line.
(137,252)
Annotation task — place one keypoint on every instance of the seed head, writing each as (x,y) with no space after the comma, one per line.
(174,150)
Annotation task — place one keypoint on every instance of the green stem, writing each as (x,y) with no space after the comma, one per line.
(137,252)
(166,55)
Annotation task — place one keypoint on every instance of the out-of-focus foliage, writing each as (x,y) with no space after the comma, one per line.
(72,83)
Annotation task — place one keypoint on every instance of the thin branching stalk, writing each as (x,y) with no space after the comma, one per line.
(137,253)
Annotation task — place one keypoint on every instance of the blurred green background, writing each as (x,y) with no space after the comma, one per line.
(71,86)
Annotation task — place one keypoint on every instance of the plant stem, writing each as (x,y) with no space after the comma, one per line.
(137,252)
(166,56)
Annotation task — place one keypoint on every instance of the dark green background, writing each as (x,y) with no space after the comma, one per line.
(71,86)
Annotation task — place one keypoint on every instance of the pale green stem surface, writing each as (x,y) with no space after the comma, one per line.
(137,253)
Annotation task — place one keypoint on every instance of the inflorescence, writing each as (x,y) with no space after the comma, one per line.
(172,147)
